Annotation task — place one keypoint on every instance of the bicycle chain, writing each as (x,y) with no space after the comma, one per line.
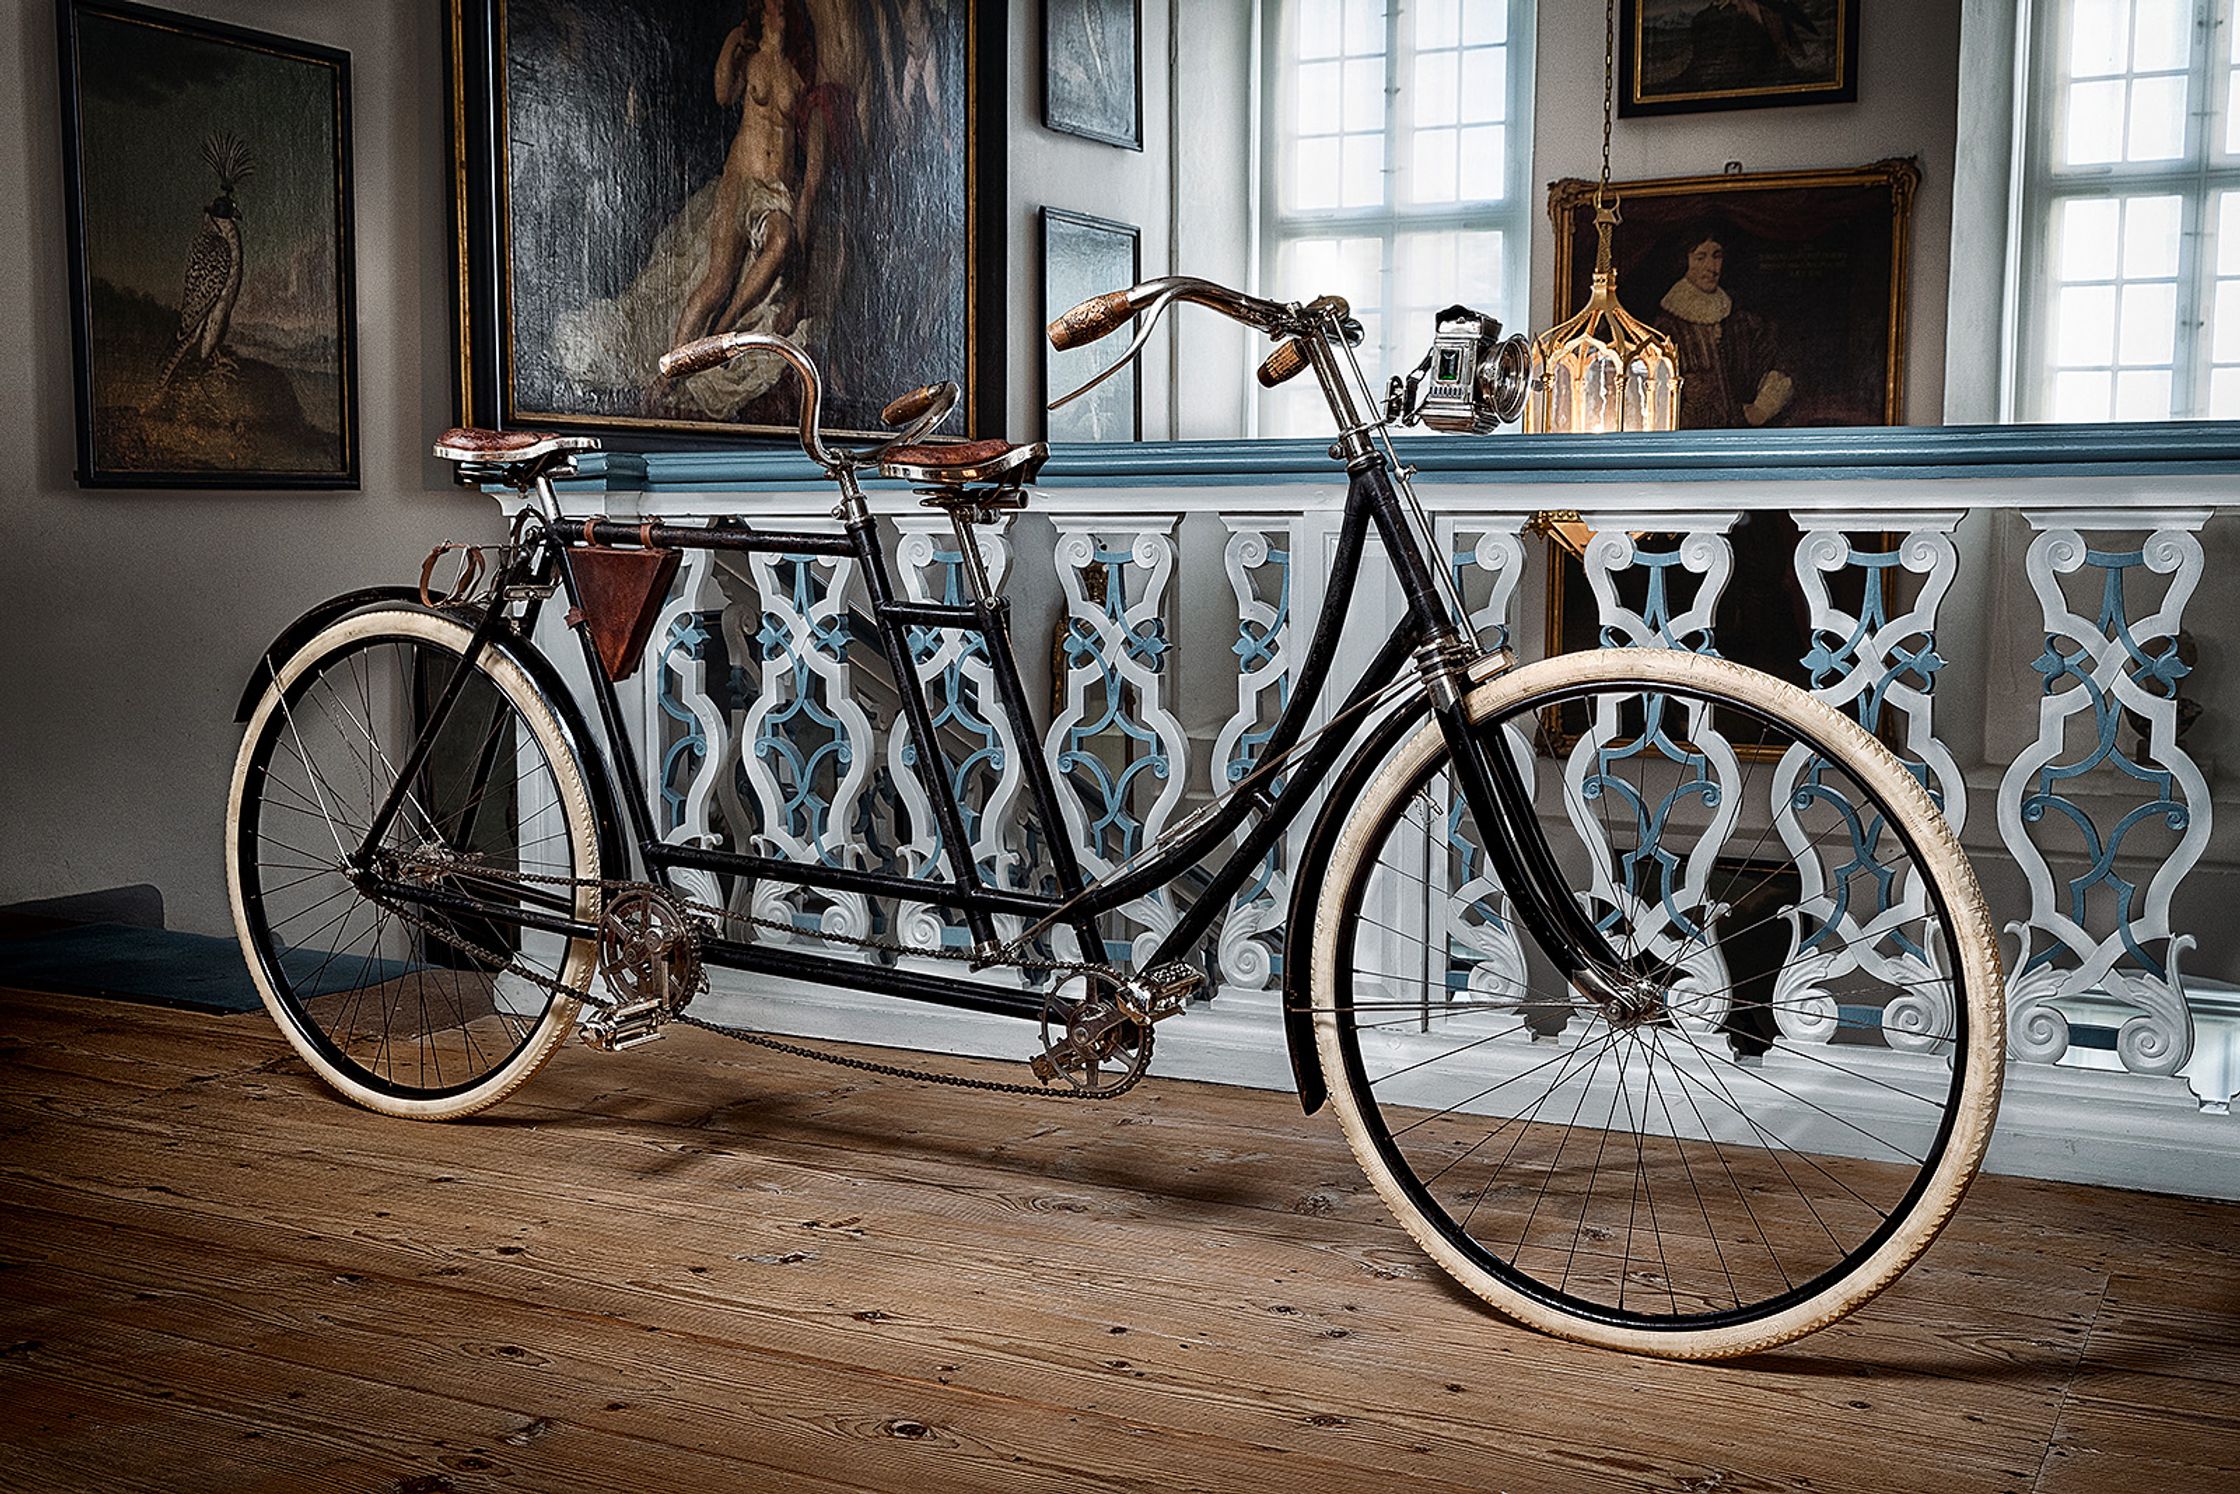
(605,885)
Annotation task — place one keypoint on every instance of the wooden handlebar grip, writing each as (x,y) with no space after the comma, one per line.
(1090,320)
(908,407)
(1286,362)
(701,352)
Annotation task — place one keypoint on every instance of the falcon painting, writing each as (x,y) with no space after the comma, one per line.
(213,266)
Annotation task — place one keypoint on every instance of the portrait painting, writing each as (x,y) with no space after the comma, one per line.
(639,173)
(1092,69)
(1785,292)
(1084,256)
(1690,56)
(208,175)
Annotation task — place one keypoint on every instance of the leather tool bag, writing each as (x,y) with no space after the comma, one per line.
(622,592)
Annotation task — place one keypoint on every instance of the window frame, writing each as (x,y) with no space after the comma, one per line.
(1394,217)
(2042,186)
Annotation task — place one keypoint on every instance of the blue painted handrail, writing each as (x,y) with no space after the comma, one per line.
(2172,449)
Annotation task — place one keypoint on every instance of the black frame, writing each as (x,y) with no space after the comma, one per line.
(481,307)
(90,474)
(1050,311)
(1632,105)
(1428,633)
(1130,141)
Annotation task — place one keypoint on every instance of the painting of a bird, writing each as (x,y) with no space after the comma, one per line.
(214,261)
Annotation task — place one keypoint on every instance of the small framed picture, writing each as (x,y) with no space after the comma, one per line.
(1092,69)
(1083,256)
(1696,56)
(212,309)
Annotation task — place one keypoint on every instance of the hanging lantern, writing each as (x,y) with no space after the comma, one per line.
(1604,370)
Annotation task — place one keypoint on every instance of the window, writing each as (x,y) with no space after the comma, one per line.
(1399,139)
(2130,226)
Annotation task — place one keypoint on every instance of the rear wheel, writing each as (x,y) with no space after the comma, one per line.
(1791,1110)
(400,1007)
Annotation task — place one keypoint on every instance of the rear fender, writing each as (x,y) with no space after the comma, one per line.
(613,844)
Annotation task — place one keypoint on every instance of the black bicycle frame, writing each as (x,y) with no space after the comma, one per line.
(1429,634)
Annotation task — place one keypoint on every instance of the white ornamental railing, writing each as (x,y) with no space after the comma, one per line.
(1164,623)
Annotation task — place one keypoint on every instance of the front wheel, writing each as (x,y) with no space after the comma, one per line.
(1774,1133)
(398,1006)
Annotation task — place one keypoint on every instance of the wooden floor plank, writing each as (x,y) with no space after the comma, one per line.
(702,1266)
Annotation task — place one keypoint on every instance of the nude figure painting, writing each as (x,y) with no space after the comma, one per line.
(642,172)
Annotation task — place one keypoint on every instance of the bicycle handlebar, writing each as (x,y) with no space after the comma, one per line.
(1100,315)
(917,413)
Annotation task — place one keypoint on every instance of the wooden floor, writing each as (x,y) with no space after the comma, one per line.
(702,1267)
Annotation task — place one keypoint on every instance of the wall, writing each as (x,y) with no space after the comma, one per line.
(1908,87)
(132,618)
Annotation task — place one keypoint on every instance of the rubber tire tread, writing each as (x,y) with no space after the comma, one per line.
(1941,855)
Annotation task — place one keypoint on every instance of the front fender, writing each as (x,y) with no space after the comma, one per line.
(613,847)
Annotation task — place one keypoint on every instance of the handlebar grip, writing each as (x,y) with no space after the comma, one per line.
(1090,320)
(908,407)
(1285,363)
(700,353)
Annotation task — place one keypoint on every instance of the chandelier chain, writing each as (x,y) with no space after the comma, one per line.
(1609,89)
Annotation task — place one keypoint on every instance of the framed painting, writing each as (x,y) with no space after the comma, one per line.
(1786,291)
(1092,69)
(631,176)
(1694,56)
(1084,256)
(214,333)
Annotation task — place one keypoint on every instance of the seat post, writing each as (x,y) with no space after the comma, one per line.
(976,579)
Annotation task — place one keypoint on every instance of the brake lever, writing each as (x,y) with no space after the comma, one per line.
(1146,319)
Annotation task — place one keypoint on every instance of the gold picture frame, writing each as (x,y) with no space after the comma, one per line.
(1698,56)
(1801,217)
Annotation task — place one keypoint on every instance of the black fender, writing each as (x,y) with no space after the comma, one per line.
(598,781)
(1313,867)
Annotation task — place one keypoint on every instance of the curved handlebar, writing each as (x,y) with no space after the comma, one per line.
(917,413)
(1100,315)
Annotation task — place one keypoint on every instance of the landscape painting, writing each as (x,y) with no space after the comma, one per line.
(209,181)
(1084,256)
(640,174)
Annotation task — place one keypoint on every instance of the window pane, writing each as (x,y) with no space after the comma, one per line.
(1436,23)
(2094,126)
(1364,171)
(2088,238)
(1436,270)
(2224,325)
(2096,38)
(1484,21)
(2150,237)
(1316,181)
(2162,40)
(1485,85)
(2085,325)
(1318,28)
(1435,89)
(2081,396)
(2143,395)
(1364,94)
(2224,394)
(2158,119)
(1318,98)
(2150,324)
(1364,26)
(1484,164)
(1434,166)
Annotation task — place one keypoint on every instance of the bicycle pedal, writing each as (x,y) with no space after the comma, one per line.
(624,1028)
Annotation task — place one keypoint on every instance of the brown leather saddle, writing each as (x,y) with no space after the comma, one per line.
(992,463)
(474,443)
